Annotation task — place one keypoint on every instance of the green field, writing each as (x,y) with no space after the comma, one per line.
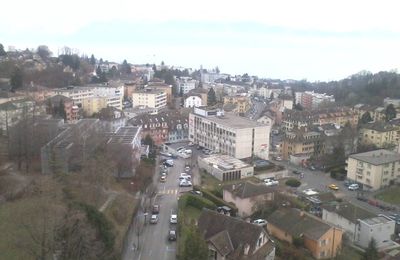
(390,195)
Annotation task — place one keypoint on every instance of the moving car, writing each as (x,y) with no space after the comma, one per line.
(260,222)
(353,186)
(155,209)
(185,183)
(333,187)
(173,219)
(154,219)
(172,235)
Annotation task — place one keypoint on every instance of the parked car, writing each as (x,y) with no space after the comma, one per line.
(196,192)
(333,187)
(353,186)
(163,178)
(154,219)
(187,168)
(173,219)
(271,182)
(155,209)
(190,144)
(260,222)
(172,235)
(185,178)
(185,183)
(278,158)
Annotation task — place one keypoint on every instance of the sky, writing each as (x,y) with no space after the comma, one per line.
(317,40)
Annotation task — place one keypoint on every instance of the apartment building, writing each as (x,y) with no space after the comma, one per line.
(380,228)
(374,169)
(228,134)
(242,103)
(58,102)
(301,142)
(186,84)
(376,113)
(193,101)
(161,86)
(153,98)
(312,100)
(380,134)
(77,94)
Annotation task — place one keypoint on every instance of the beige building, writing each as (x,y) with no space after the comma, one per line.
(242,103)
(379,134)
(301,142)
(228,134)
(93,105)
(153,98)
(374,169)
(77,94)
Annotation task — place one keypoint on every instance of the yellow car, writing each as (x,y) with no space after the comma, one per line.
(333,187)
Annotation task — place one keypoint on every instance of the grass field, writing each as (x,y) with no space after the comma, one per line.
(390,195)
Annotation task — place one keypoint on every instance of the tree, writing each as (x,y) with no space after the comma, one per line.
(195,247)
(2,51)
(390,112)
(149,141)
(181,92)
(298,106)
(366,118)
(61,110)
(154,67)
(217,70)
(126,67)
(17,79)
(92,60)
(371,253)
(211,98)
(43,51)
(162,63)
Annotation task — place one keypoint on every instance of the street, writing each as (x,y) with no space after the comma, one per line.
(152,242)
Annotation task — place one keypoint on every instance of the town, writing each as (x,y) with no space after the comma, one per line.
(115,160)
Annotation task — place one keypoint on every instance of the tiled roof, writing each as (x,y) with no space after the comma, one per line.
(248,189)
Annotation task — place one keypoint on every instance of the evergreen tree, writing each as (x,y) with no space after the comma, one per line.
(390,112)
(17,79)
(2,51)
(181,92)
(126,68)
(195,247)
(211,98)
(366,118)
(98,71)
(61,110)
(92,60)
(154,67)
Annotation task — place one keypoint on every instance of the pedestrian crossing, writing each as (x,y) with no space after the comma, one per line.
(169,191)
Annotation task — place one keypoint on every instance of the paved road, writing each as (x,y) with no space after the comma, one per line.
(320,180)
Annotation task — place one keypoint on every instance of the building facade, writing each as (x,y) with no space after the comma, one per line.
(301,142)
(229,134)
(242,103)
(379,134)
(150,98)
(380,228)
(375,169)
(193,101)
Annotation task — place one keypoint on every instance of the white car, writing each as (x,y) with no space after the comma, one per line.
(260,222)
(271,182)
(185,183)
(310,192)
(353,186)
(173,219)
(185,178)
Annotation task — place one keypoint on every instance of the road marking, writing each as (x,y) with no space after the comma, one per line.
(170,249)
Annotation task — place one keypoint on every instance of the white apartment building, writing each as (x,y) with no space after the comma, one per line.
(375,169)
(149,97)
(77,94)
(186,84)
(379,228)
(229,134)
(312,100)
(193,101)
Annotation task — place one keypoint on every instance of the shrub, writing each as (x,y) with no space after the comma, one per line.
(199,202)
(217,201)
(293,183)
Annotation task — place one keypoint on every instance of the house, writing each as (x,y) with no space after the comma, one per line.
(242,103)
(112,118)
(150,97)
(322,239)
(344,215)
(230,238)
(193,101)
(247,196)
(301,142)
(374,169)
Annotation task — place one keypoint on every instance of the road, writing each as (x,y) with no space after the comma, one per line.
(256,110)
(320,180)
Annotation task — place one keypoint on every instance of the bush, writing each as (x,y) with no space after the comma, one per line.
(217,201)
(293,183)
(199,202)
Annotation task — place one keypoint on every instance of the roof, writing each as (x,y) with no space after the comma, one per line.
(233,121)
(348,211)
(297,223)
(225,162)
(232,234)
(248,189)
(377,220)
(57,99)
(379,127)
(124,135)
(377,157)
(164,119)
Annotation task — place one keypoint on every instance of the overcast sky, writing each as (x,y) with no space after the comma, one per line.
(314,40)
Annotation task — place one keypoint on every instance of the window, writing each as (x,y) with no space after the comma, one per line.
(212,254)
(323,242)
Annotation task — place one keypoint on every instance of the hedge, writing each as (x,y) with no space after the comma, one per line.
(293,183)
(217,201)
(199,202)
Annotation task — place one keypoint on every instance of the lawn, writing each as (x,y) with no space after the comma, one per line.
(390,195)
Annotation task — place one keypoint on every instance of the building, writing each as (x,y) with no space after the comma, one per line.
(248,196)
(242,103)
(36,93)
(193,101)
(380,228)
(380,134)
(229,134)
(312,100)
(57,103)
(149,98)
(301,142)
(160,86)
(77,94)
(266,92)
(200,92)
(266,120)
(185,84)
(13,112)
(163,127)
(112,119)
(127,140)
(93,105)
(339,116)
(322,239)
(140,110)
(345,216)
(234,239)
(6,96)
(374,169)
(69,149)
(225,167)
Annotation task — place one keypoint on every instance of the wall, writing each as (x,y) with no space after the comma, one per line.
(380,232)
(335,219)
(333,242)
(246,206)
